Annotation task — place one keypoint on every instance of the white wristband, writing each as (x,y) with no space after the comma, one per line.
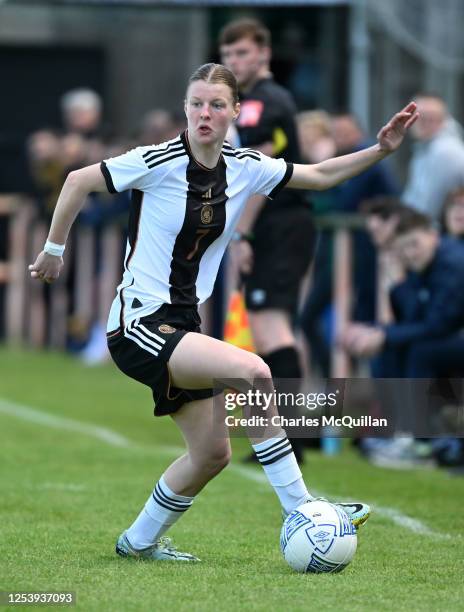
(54,249)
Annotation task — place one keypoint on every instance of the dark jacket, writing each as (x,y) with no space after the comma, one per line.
(430,304)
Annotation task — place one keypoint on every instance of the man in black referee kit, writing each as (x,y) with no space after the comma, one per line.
(275,238)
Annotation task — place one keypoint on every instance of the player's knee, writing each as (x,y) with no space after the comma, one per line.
(216,458)
(220,456)
(258,369)
(247,366)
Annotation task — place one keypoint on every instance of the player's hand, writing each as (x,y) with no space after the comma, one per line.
(391,135)
(242,253)
(46,267)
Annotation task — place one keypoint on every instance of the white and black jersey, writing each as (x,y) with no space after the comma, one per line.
(181,219)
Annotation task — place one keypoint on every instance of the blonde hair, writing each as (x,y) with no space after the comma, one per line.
(316,119)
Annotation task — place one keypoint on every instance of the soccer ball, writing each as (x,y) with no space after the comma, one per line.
(318,537)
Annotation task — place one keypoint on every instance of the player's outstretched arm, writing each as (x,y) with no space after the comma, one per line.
(76,188)
(338,169)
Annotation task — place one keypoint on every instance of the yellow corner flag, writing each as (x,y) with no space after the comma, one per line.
(237,328)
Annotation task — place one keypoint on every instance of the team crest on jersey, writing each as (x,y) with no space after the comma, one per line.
(166,329)
(207,214)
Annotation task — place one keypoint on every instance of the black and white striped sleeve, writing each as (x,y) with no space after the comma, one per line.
(270,175)
(126,171)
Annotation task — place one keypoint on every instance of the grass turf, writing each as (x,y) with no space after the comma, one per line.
(66,496)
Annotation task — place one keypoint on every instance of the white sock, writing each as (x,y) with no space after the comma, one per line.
(283,472)
(162,510)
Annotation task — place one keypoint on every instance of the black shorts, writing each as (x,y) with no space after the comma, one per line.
(283,247)
(144,347)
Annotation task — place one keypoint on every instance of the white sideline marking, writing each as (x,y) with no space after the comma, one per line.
(395,516)
(249,473)
(61,486)
(412,524)
(26,413)
(34,415)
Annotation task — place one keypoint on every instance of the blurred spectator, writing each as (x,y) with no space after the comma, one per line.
(51,157)
(84,130)
(382,215)
(425,339)
(82,112)
(453,214)
(437,164)
(315,136)
(346,198)
(46,168)
(158,125)
(316,144)
(377,180)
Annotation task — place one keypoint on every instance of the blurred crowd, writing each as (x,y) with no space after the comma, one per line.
(85,138)
(408,249)
(407,275)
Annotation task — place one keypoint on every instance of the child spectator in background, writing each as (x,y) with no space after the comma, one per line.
(453,214)
(425,340)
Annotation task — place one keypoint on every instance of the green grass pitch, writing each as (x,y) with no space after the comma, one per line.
(66,495)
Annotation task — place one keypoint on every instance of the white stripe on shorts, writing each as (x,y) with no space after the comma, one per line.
(147,331)
(142,336)
(140,343)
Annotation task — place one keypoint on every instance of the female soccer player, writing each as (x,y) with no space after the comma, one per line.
(187,196)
